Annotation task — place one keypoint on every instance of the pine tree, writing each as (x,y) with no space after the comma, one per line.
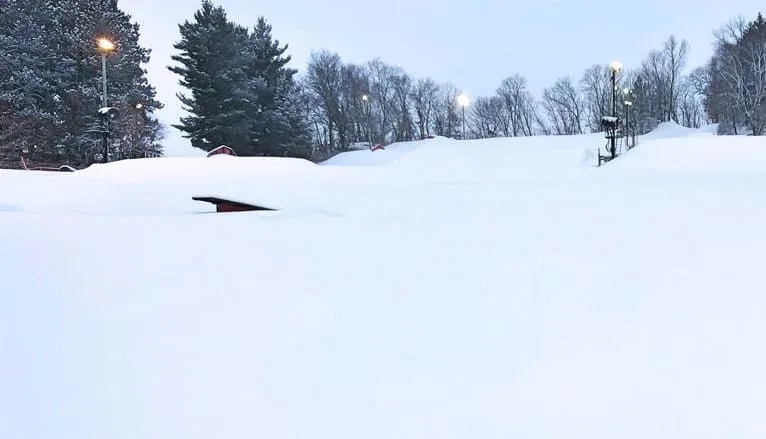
(277,128)
(58,71)
(242,93)
(26,85)
(211,59)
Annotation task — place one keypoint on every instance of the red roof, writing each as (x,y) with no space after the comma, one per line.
(223,149)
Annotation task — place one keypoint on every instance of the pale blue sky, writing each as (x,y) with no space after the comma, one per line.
(473,44)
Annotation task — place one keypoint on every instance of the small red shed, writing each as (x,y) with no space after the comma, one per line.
(223,149)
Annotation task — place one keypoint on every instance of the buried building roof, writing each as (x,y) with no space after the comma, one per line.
(223,149)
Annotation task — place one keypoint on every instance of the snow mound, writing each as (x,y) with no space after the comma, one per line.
(373,158)
(709,154)
(501,157)
(672,129)
(165,186)
(198,168)
(498,158)
(710,129)
(10,208)
(438,295)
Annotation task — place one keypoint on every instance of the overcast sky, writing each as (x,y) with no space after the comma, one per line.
(473,44)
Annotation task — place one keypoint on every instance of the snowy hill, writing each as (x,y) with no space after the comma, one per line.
(499,288)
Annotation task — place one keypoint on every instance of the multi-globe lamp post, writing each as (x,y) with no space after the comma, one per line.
(628,103)
(463,100)
(615,67)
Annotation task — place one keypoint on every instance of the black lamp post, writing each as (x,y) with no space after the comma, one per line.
(368,116)
(615,67)
(105,46)
(628,103)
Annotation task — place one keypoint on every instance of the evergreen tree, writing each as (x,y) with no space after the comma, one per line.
(211,59)
(277,128)
(242,93)
(27,92)
(58,71)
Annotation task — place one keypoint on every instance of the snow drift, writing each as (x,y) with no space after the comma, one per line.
(526,293)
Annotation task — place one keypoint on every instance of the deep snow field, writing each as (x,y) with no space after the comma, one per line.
(503,288)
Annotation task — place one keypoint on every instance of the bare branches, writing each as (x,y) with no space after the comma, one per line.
(675,55)
(563,106)
(736,92)
(731,32)
(424,97)
(518,105)
(595,86)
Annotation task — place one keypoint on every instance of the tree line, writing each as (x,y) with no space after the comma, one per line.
(239,90)
(733,83)
(50,84)
(333,105)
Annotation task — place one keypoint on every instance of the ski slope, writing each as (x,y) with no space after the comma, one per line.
(445,289)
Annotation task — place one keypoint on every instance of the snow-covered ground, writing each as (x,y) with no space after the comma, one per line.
(504,288)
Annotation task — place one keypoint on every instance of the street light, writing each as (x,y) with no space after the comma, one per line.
(463,100)
(630,133)
(366,106)
(615,67)
(105,46)
(627,103)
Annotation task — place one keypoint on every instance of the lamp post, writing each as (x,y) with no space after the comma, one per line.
(105,46)
(627,102)
(366,106)
(463,100)
(632,133)
(615,67)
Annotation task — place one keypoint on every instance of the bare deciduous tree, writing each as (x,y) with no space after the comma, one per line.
(519,106)
(736,91)
(424,97)
(403,126)
(447,120)
(563,105)
(324,78)
(675,54)
(655,83)
(595,86)
(488,117)
(691,112)
(382,97)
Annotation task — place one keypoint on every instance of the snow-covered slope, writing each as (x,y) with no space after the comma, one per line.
(496,289)
(441,157)
(710,154)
